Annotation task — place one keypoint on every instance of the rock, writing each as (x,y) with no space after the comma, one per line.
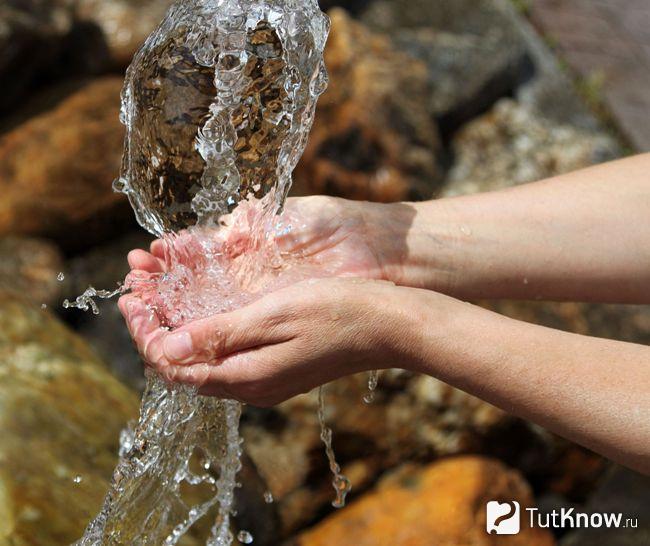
(414,418)
(624,492)
(474,55)
(56,169)
(61,413)
(30,267)
(373,137)
(512,145)
(31,38)
(467,72)
(103,267)
(443,503)
(125,24)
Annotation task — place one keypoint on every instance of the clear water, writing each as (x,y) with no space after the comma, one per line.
(218,105)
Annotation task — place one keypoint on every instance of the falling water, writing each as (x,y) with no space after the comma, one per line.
(217,105)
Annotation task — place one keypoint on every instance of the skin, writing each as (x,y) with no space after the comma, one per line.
(403,271)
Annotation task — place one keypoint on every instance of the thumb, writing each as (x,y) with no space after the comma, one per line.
(218,336)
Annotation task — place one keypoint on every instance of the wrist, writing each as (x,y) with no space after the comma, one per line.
(418,244)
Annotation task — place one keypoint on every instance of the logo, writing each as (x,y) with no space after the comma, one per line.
(503,518)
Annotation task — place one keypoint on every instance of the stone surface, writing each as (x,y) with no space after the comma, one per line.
(442,504)
(412,418)
(467,72)
(625,492)
(29,267)
(373,137)
(103,267)
(474,55)
(57,168)
(607,43)
(125,24)
(511,145)
(61,413)
(31,38)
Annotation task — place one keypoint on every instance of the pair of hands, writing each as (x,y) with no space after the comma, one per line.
(294,339)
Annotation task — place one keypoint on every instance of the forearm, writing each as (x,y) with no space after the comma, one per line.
(581,236)
(590,390)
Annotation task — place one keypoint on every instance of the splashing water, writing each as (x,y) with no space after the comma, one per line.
(217,105)
(373,381)
(342,485)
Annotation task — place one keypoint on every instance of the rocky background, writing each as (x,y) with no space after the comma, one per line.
(427,99)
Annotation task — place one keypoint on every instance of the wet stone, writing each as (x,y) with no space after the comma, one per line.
(61,413)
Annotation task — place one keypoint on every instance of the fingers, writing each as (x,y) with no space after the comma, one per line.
(157,249)
(221,335)
(144,327)
(142,260)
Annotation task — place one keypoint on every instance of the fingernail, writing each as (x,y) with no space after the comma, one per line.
(178,346)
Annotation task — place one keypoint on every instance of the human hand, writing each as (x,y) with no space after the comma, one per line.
(284,344)
(345,238)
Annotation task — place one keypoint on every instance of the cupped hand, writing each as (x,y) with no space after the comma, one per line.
(284,344)
(346,238)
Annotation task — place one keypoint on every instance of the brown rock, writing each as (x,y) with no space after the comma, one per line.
(373,137)
(31,39)
(56,169)
(125,24)
(412,418)
(443,504)
(29,267)
(61,413)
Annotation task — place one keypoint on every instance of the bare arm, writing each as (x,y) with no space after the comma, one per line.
(583,236)
(592,391)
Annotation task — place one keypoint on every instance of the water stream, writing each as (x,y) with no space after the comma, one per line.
(217,105)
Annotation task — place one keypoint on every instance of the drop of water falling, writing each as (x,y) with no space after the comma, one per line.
(341,484)
(43,305)
(373,380)
(268,497)
(244,537)
(77,479)
(60,277)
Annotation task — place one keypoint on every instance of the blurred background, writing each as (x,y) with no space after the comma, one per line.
(428,98)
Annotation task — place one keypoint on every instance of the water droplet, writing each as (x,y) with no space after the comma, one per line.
(268,497)
(60,277)
(244,537)
(77,479)
(43,305)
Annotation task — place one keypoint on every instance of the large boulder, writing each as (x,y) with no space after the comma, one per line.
(56,169)
(61,413)
(474,55)
(373,137)
(29,267)
(124,24)
(511,145)
(444,503)
(412,418)
(621,492)
(31,39)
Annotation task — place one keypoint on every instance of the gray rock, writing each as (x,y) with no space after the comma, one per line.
(513,144)
(623,491)
(104,267)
